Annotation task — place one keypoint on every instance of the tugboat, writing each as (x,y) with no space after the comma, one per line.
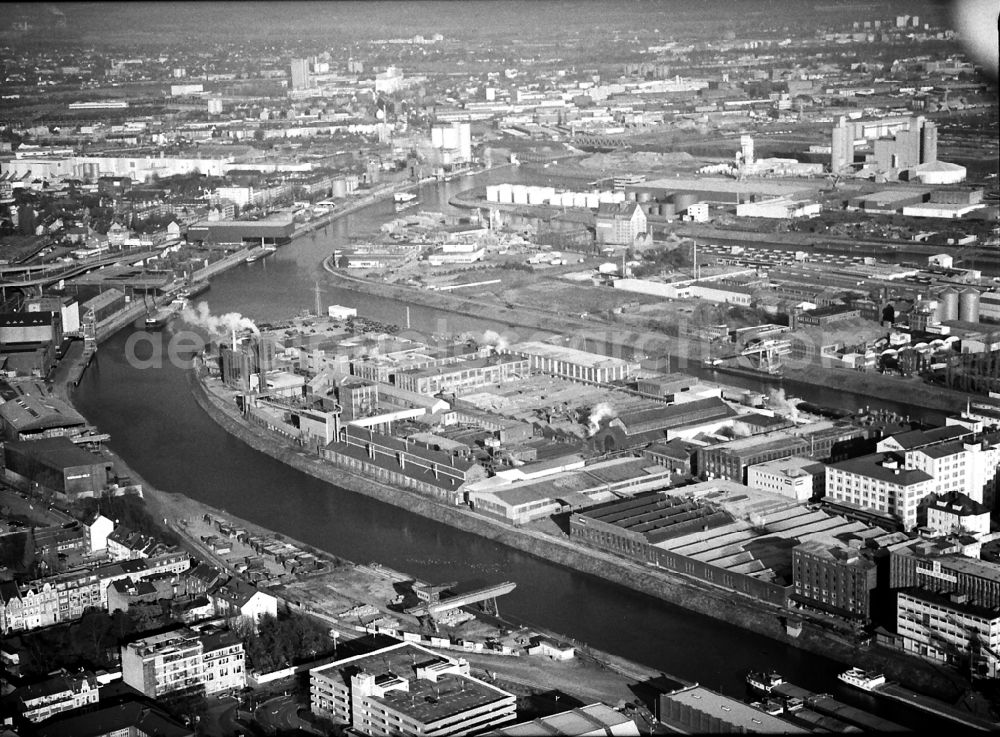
(866,680)
(764,681)
(404,200)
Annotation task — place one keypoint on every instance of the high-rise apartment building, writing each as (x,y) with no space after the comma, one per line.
(209,660)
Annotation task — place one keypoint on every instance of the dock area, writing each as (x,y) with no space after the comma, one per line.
(826,704)
(935,706)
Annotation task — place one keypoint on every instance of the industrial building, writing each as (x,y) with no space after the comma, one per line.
(30,417)
(573,364)
(834,578)
(400,462)
(520,501)
(594,720)
(459,377)
(697,710)
(407,689)
(619,224)
(949,628)
(273,232)
(721,532)
(800,479)
(880,482)
(57,465)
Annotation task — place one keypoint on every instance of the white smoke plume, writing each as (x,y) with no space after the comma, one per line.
(202,317)
(777,401)
(597,413)
(493,338)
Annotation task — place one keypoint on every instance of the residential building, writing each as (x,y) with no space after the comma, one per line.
(183,659)
(66,596)
(955,513)
(407,689)
(236,598)
(39,701)
(129,719)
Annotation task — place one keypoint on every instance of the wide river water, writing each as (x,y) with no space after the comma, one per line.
(160,431)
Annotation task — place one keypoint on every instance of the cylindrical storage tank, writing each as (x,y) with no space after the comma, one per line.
(644,197)
(535,196)
(948,304)
(579,199)
(339,187)
(520,193)
(667,211)
(492,192)
(617,196)
(683,201)
(968,305)
(592,201)
(437,136)
(506,193)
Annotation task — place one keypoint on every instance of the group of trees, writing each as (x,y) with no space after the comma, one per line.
(282,641)
(92,642)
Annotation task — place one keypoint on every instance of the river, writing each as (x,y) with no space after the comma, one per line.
(160,431)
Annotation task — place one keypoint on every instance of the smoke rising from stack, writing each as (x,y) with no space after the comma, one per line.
(779,403)
(202,317)
(599,412)
(493,338)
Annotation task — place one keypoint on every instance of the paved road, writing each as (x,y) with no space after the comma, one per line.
(281,714)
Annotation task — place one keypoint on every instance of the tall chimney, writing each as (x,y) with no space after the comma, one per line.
(234,340)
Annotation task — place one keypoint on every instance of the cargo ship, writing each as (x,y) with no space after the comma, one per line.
(863,679)
(764,681)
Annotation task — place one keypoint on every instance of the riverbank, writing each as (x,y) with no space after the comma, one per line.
(716,603)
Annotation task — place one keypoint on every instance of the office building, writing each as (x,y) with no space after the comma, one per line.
(407,689)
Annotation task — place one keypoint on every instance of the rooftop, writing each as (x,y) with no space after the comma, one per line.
(427,701)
